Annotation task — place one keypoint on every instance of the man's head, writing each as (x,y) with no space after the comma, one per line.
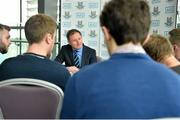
(40,29)
(175,41)
(158,47)
(4,38)
(125,21)
(75,38)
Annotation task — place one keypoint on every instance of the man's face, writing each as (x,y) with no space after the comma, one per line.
(76,41)
(177,52)
(4,41)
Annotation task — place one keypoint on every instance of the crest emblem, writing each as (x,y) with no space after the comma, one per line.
(93,14)
(169,22)
(92,33)
(80,24)
(155,11)
(80,5)
(67,14)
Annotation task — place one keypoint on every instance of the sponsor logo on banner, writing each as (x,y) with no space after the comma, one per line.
(156,11)
(67,5)
(92,43)
(92,34)
(169,22)
(80,5)
(80,15)
(155,1)
(169,0)
(67,15)
(66,24)
(170,9)
(92,24)
(93,5)
(93,14)
(155,23)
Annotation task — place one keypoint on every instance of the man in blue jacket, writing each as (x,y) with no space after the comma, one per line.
(130,84)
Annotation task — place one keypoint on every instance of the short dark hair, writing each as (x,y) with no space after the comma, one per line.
(4,27)
(126,20)
(71,32)
(37,26)
(158,47)
(175,36)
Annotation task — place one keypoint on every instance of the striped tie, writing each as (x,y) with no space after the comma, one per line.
(76,59)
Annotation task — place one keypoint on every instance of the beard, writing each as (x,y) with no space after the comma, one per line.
(3,49)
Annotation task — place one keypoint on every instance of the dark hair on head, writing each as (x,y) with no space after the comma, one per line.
(126,20)
(38,26)
(71,32)
(4,27)
(175,36)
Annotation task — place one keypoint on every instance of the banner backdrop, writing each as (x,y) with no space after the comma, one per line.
(163,16)
(84,16)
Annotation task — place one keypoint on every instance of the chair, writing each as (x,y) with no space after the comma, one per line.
(25,98)
(1,115)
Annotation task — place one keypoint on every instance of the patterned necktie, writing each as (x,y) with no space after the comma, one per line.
(76,59)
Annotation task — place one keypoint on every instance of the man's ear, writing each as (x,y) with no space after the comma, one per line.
(49,38)
(107,35)
(175,47)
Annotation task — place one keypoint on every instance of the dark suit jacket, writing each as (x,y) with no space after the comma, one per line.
(66,55)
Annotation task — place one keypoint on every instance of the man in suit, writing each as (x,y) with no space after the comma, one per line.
(130,84)
(85,54)
(40,31)
(4,38)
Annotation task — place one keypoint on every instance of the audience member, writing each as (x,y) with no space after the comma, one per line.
(130,84)
(76,55)
(40,31)
(4,38)
(161,50)
(175,41)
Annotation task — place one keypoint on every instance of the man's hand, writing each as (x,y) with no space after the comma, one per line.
(72,69)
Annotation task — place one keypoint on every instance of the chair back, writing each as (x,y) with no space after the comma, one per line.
(25,98)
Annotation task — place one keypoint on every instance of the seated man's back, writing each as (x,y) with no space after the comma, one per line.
(34,66)
(40,31)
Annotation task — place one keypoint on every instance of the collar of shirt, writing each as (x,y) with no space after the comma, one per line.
(35,55)
(130,48)
(79,51)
